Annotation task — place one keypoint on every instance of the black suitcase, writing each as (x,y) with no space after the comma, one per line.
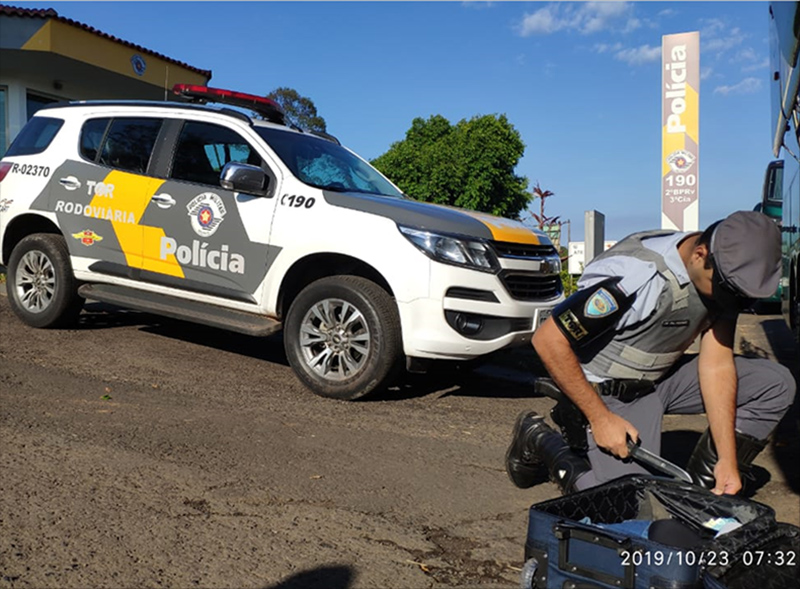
(576,541)
(771,561)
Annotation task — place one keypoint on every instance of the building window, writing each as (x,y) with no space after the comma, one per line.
(36,101)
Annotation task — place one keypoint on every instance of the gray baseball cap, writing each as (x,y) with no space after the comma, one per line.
(746,251)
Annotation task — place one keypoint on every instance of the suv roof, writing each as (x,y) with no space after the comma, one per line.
(197,99)
(148,104)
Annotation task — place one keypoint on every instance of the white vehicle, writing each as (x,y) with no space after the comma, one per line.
(206,214)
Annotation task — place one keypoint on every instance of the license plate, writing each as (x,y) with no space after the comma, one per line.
(541,316)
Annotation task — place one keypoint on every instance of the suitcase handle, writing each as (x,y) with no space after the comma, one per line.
(569,533)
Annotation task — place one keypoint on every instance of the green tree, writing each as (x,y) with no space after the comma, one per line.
(300,110)
(468,165)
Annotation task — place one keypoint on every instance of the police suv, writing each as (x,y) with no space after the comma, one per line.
(247,223)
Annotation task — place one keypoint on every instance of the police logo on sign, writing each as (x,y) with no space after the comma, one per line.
(139,64)
(680,160)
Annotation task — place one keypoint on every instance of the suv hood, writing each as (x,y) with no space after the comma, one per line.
(438,218)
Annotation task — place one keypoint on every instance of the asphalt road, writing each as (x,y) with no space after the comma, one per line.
(142,452)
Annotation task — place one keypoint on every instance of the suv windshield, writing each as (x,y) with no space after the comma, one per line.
(324,164)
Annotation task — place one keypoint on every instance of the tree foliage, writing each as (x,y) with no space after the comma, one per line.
(468,165)
(299,109)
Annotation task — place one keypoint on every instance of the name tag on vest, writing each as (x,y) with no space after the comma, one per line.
(680,323)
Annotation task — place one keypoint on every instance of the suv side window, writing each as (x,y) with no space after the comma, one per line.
(91,136)
(129,144)
(203,149)
(35,136)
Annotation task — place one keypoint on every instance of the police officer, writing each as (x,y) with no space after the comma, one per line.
(615,351)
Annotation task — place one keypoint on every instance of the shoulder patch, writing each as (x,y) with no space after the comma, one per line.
(601,304)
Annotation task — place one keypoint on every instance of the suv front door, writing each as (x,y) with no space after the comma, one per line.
(199,236)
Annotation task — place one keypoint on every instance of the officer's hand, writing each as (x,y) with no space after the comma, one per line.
(728,481)
(611,433)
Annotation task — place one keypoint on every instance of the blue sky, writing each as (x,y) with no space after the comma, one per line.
(579,81)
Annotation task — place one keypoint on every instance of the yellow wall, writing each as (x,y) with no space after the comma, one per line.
(79,44)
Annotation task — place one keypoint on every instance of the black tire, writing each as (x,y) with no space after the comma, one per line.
(41,287)
(362,334)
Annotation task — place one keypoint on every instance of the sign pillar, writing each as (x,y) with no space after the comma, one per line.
(595,230)
(680,137)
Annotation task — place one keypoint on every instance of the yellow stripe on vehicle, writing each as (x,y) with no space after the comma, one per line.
(505,229)
(123,197)
(151,254)
(120,197)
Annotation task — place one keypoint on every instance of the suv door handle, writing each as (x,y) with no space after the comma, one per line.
(70,183)
(164,201)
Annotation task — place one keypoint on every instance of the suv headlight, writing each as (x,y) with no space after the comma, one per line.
(552,264)
(448,249)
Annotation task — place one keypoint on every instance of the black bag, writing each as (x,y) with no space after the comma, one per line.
(771,561)
(589,539)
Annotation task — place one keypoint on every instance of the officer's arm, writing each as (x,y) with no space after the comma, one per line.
(718,381)
(583,318)
(564,368)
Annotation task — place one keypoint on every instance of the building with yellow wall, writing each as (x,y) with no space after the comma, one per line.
(46,58)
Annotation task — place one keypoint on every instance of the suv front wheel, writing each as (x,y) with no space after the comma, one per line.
(342,337)
(41,287)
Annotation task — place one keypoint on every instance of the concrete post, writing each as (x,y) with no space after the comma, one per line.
(595,235)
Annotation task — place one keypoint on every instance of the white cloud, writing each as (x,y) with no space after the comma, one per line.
(750,60)
(713,26)
(606,48)
(586,18)
(746,54)
(476,4)
(630,55)
(544,21)
(717,36)
(761,65)
(639,55)
(746,86)
(705,72)
(632,25)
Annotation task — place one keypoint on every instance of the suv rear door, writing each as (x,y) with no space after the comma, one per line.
(100,199)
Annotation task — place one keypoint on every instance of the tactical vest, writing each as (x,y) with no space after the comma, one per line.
(648,349)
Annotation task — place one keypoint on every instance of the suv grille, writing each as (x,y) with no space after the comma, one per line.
(507,249)
(527,286)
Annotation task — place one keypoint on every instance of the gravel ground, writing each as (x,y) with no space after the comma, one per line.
(141,452)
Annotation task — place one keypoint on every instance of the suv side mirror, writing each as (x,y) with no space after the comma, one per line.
(244,178)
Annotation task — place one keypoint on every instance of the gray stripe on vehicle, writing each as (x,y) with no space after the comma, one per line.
(231,234)
(66,204)
(411,212)
(166,280)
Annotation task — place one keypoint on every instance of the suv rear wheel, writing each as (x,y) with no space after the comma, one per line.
(342,337)
(41,287)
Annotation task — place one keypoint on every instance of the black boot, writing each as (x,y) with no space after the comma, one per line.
(704,458)
(536,449)
(566,415)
